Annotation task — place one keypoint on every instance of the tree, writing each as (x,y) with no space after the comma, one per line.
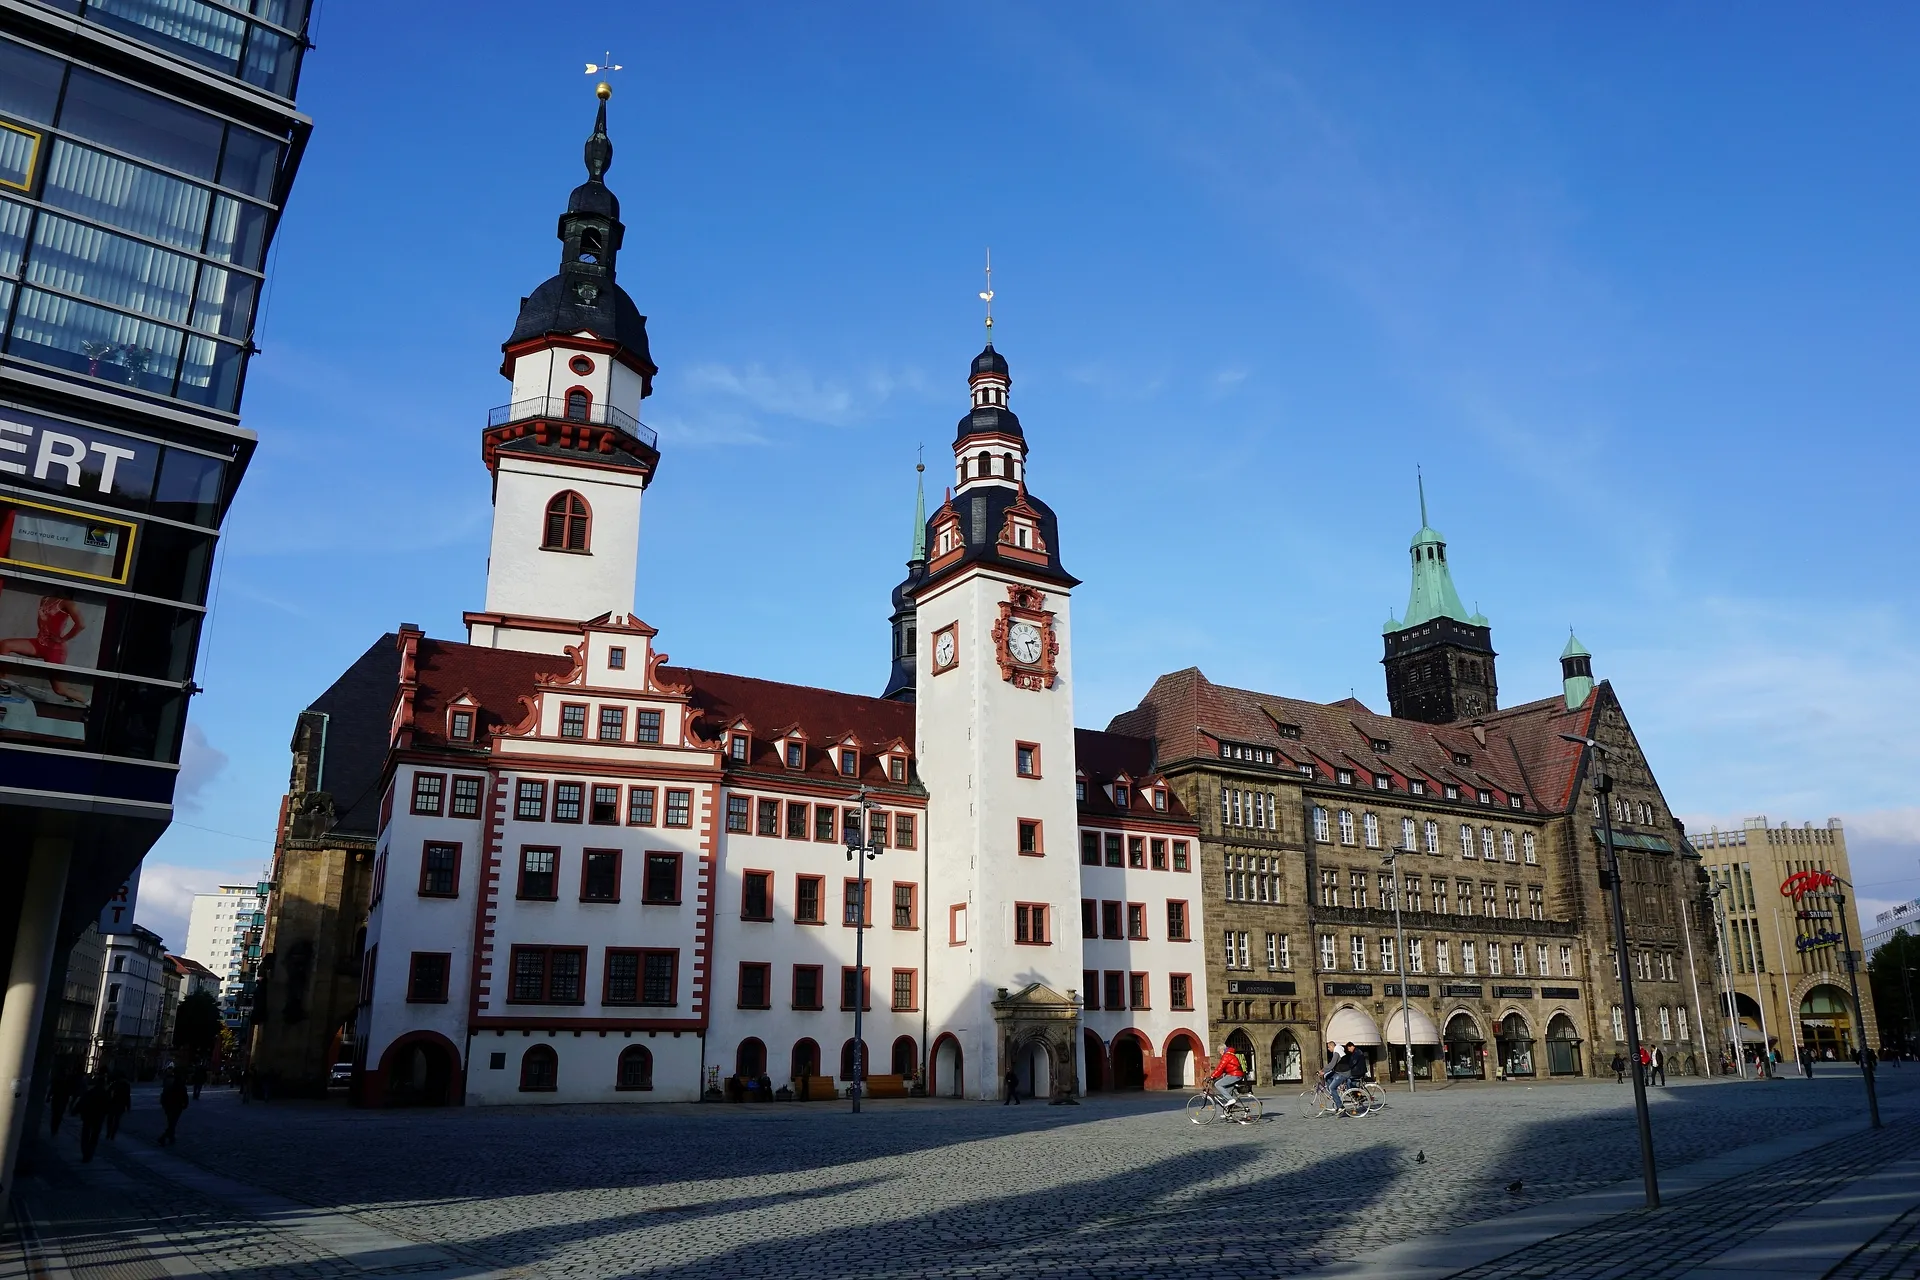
(197,1025)
(1893,991)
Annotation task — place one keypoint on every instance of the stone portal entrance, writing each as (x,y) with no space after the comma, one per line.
(1039,1034)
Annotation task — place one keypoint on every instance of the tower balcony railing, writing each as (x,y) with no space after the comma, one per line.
(559,409)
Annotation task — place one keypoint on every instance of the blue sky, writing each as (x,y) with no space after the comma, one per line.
(1637,289)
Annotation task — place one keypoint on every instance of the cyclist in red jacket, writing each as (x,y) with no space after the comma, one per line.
(1226,1074)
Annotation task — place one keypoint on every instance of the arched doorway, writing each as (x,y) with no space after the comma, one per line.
(635,1068)
(906,1058)
(1514,1043)
(1466,1048)
(1744,1012)
(1033,1065)
(1563,1046)
(1094,1054)
(1349,1025)
(1129,1062)
(1183,1057)
(1241,1043)
(948,1068)
(848,1071)
(750,1059)
(539,1069)
(805,1060)
(1826,1022)
(420,1069)
(1286,1059)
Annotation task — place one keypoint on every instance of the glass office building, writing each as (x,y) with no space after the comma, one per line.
(147,148)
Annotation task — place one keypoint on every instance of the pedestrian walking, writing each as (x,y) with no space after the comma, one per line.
(119,1102)
(1013,1086)
(173,1102)
(92,1109)
(1660,1066)
(246,1085)
(199,1078)
(1641,1061)
(1806,1061)
(1619,1067)
(59,1096)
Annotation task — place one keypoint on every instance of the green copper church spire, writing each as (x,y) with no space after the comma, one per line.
(919,516)
(1433,595)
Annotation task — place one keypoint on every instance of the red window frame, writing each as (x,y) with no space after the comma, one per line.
(740,809)
(639,815)
(957,925)
(580,721)
(1089,918)
(647,897)
(1137,982)
(897,768)
(640,957)
(545,1054)
(520,886)
(438,798)
(453,892)
(819,884)
(797,808)
(614,718)
(593,804)
(526,789)
(1114,985)
(574,532)
(1113,919)
(1090,983)
(454,807)
(666,813)
(413,976)
(913,905)
(823,832)
(1137,853)
(1137,911)
(913,991)
(1037,913)
(747,874)
(849,887)
(766,985)
(905,830)
(819,987)
(1180,859)
(1180,991)
(1186,920)
(1032,747)
(766,818)
(866,987)
(1021,827)
(620,1074)
(586,860)
(454,717)
(547,954)
(580,811)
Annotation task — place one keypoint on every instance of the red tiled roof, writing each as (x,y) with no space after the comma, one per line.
(494,678)
(825,716)
(1102,757)
(1523,754)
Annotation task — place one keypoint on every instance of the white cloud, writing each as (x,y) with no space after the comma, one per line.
(200,763)
(166,897)
(797,393)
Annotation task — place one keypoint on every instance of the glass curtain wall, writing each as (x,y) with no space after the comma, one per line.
(260,43)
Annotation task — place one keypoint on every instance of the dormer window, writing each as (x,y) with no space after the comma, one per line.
(737,747)
(1381,782)
(1461,757)
(796,755)
(1344,777)
(849,763)
(1120,794)
(616,658)
(460,726)
(1160,799)
(1080,791)
(1513,802)
(1381,745)
(1022,536)
(1484,797)
(897,768)
(1418,787)
(1453,792)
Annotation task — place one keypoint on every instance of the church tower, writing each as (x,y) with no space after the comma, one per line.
(568,453)
(905,619)
(996,752)
(1439,657)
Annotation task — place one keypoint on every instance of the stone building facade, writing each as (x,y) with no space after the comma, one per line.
(1784,954)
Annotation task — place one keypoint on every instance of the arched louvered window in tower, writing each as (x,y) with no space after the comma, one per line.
(568,522)
(578,404)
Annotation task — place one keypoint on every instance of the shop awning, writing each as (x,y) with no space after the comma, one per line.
(1751,1035)
(1351,1024)
(1424,1032)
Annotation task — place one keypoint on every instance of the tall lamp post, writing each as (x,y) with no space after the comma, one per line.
(1726,976)
(1610,879)
(1852,960)
(1392,858)
(863,846)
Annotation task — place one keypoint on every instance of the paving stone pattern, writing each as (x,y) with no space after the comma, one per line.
(1894,1254)
(1654,1244)
(1120,1186)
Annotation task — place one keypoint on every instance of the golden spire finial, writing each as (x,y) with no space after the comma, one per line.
(603,90)
(986,295)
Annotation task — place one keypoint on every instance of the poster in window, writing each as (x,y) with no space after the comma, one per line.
(47,629)
(64,541)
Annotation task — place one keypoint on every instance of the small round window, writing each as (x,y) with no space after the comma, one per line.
(580,365)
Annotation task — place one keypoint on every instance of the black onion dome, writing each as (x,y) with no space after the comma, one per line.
(593,196)
(990,361)
(989,418)
(554,307)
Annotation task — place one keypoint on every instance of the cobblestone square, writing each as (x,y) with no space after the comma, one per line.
(1118,1186)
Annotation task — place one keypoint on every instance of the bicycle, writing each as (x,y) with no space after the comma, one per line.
(1375,1094)
(1318,1101)
(1204,1108)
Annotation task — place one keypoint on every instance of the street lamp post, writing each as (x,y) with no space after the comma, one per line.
(1839,901)
(862,847)
(1392,859)
(1603,787)
(1726,976)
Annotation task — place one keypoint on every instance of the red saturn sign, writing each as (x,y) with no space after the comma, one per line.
(1801,883)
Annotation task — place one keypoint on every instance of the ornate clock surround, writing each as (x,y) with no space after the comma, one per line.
(1026,604)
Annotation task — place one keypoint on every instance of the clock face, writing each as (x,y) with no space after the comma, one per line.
(943,650)
(1023,642)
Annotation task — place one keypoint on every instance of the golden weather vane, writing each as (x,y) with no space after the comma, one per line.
(986,294)
(603,89)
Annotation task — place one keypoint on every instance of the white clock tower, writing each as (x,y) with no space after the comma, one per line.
(996,752)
